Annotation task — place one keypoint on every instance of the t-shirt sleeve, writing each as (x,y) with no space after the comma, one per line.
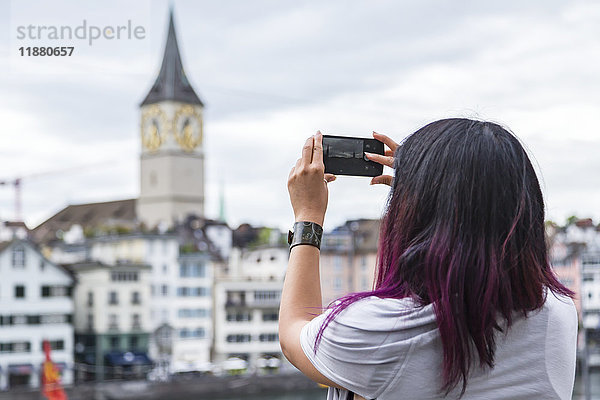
(363,347)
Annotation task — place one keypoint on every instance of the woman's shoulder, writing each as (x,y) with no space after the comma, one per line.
(387,314)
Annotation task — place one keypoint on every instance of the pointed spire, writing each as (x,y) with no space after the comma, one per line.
(171,83)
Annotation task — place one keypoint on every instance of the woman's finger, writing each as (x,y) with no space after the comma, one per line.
(382,180)
(307,151)
(317,156)
(386,140)
(330,178)
(378,158)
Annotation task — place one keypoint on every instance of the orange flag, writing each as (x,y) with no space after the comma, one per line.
(51,387)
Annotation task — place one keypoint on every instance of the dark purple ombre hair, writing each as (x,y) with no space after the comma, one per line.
(463,230)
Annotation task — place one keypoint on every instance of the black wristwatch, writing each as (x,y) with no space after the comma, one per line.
(305,233)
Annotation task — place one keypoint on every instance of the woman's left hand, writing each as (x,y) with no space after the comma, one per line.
(307,182)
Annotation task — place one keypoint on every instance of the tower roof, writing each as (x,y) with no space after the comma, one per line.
(172,83)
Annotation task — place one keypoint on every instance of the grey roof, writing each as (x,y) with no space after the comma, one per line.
(171,83)
(92,265)
(87,215)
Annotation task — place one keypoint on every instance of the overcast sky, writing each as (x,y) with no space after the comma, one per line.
(273,72)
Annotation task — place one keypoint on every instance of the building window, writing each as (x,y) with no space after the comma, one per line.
(193,313)
(363,263)
(114,342)
(237,298)
(187,333)
(19,291)
(192,270)
(337,283)
(165,268)
(268,337)
(266,295)
(18,320)
(55,344)
(199,291)
(55,291)
(153,179)
(54,318)
(165,290)
(90,322)
(240,316)
(133,342)
(135,321)
(45,291)
(42,264)
(113,298)
(365,283)
(113,322)
(135,298)
(337,263)
(15,347)
(239,338)
(18,257)
(124,276)
(272,315)
(90,299)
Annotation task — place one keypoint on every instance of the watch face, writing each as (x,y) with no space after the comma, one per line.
(153,128)
(187,128)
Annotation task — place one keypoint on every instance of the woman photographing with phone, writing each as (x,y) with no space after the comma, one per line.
(464,304)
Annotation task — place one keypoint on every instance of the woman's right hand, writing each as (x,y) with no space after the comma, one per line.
(387,159)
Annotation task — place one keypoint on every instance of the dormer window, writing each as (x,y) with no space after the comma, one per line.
(18,256)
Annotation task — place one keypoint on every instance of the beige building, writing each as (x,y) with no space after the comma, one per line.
(348,259)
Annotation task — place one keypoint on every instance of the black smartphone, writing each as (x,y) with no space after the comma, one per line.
(344,155)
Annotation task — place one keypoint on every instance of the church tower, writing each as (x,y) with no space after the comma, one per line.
(172,156)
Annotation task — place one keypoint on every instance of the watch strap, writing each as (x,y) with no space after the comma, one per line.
(305,232)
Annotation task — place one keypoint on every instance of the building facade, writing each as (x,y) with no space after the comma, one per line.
(180,285)
(246,308)
(112,321)
(35,305)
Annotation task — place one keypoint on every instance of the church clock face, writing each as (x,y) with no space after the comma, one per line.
(187,128)
(154,126)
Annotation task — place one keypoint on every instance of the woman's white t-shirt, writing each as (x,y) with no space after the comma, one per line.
(391,349)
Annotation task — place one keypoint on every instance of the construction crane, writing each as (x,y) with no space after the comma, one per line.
(17,182)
